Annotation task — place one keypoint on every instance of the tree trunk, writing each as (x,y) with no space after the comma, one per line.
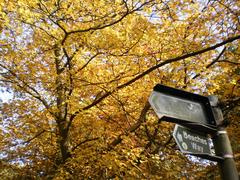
(61,114)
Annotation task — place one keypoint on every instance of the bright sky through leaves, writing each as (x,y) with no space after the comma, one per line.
(80,74)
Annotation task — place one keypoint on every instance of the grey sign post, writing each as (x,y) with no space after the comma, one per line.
(181,107)
(195,112)
(191,142)
(222,145)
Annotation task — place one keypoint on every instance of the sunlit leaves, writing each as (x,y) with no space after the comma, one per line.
(79,75)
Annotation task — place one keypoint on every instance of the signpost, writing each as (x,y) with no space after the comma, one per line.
(198,118)
(188,109)
(191,142)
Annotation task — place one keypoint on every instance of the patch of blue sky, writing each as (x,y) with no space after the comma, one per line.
(5,95)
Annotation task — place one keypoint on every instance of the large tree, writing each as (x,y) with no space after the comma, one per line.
(80,73)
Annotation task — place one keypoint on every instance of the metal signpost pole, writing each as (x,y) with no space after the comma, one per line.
(200,114)
(222,146)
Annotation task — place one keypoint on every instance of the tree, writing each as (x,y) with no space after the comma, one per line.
(81,71)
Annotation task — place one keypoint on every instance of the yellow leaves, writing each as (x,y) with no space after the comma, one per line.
(4,20)
(2,14)
(26,12)
(62,174)
(109,39)
(98,56)
(234,82)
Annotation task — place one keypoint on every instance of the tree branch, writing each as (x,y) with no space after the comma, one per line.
(168,61)
(230,62)
(105,25)
(133,128)
(84,141)
(27,88)
(90,59)
(212,63)
(230,104)
(32,138)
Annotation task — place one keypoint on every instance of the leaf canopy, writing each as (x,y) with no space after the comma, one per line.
(80,73)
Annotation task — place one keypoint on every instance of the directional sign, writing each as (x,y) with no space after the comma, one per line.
(191,142)
(182,107)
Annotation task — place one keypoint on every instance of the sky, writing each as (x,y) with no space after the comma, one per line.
(5,96)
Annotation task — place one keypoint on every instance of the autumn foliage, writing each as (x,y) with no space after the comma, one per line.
(79,74)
